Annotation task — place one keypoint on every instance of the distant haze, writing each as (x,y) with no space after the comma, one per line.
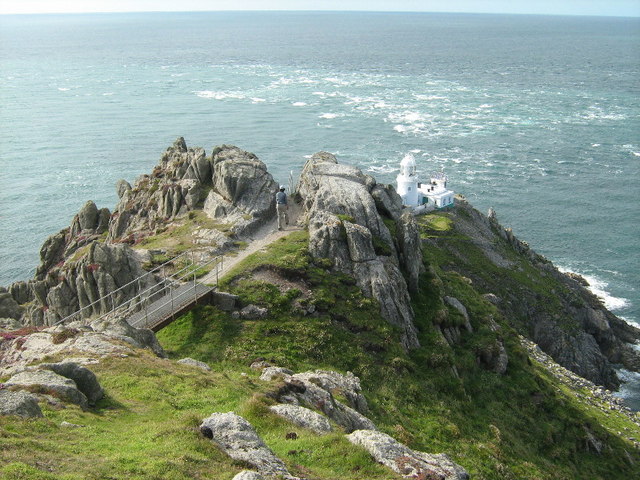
(628,8)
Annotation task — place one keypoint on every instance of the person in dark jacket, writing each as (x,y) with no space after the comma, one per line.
(281,208)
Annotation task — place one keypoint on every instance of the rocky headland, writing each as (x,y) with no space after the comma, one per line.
(455,280)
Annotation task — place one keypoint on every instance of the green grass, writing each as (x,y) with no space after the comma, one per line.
(521,425)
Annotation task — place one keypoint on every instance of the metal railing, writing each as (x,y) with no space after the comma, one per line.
(130,304)
(181,278)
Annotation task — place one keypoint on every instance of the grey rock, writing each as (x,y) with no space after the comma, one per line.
(138,337)
(21,292)
(9,308)
(85,219)
(388,202)
(22,404)
(122,187)
(9,324)
(195,363)
(346,384)
(270,373)
(248,475)
(410,249)
(455,303)
(299,391)
(251,312)
(405,461)
(492,298)
(238,439)
(302,417)
(49,382)
(84,379)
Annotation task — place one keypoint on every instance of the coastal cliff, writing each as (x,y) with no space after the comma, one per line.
(431,312)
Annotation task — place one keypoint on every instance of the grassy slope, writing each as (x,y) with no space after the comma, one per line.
(520,425)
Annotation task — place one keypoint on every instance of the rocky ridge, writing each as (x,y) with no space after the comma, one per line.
(93,257)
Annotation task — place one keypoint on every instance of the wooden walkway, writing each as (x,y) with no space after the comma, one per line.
(177,301)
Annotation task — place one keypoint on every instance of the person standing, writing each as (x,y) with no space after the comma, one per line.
(281,208)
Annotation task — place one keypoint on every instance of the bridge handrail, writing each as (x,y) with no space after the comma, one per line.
(194,266)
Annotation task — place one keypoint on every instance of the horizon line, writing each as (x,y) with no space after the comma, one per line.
(108,12)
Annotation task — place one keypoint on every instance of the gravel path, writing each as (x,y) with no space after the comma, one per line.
(266,235)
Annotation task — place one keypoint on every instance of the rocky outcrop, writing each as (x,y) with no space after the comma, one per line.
(177,184)
(243,190)
(555,310)
(19,403)
(317,390)
(115,337)
(405,461)
(49,382)
(238,439)
(94,284)
(346,226)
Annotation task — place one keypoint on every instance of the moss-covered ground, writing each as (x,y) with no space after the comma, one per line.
(520,425)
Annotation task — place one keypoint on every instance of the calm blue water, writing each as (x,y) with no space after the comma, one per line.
(536,116)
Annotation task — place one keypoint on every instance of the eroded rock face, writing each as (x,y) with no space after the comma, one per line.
(405,461)
(238,439)
(346,227)
(242,191)
(175,186)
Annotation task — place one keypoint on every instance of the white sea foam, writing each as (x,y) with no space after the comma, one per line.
(257,100)
(598,288)
(219,95)
(64,89)
(331,115)
(299,104)
(382,169)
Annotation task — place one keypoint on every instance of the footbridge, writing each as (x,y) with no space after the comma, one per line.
(161,297)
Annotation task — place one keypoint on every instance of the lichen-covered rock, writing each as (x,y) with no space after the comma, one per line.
(138,337)
(301,391)
(269,373)
(302,417)
(346,226)
(405,461)
(49,382)
(238,439)
(20,403)
(347,385)
(248,475)
(195,363)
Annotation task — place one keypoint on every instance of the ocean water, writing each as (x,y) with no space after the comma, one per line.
(536,116)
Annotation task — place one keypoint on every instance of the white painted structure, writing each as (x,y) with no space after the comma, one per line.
(423,195)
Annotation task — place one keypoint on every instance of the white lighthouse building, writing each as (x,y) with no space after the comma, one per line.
(423,195)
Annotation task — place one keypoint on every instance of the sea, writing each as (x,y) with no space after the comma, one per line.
(535,116)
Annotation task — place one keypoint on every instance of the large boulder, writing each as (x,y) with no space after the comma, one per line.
(49,382)
(238,439)
(84,379)
(405,461)
(22,404)
(302,417)
(345,225)
(138,337)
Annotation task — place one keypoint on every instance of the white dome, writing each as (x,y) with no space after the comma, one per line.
(408,161)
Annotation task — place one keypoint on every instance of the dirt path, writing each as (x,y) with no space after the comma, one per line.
(266,235)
